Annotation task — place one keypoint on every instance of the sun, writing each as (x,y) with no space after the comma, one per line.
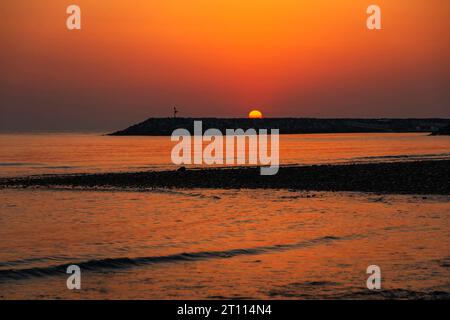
(255,114)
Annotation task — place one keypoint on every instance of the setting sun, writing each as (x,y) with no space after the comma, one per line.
(255,114)
(293,200)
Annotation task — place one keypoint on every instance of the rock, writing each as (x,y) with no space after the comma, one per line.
(165,126)
(445,131)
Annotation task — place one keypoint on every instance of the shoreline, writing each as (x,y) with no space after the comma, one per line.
(410,177)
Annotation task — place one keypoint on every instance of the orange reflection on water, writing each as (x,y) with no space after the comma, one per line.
(241,243)
(25,154)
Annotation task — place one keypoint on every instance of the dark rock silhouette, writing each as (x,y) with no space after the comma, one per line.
(418,177)
(165,126)
(445,131)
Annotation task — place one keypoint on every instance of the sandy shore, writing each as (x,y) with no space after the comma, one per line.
(419,177)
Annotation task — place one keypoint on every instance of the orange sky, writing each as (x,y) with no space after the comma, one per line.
(135,59)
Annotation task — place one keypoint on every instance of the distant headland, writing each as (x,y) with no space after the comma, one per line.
(165,126)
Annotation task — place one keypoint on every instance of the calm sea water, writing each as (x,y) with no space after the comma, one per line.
(25,154)
(169,244)
(222,244)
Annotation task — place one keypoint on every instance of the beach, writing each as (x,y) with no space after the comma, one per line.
(224,150)
(142,228)
(414,177)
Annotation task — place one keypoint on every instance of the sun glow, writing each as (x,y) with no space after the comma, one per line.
(255,114)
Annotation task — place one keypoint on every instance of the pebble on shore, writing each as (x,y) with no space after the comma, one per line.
(415,177)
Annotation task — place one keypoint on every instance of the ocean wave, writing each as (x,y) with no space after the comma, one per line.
(107,264)
(18,164)
(13,263)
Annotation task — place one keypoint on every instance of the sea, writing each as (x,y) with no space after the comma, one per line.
(216,243)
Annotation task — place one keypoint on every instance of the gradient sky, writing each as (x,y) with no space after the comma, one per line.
(138,58)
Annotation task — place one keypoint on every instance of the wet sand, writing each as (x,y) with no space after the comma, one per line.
(418,177)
